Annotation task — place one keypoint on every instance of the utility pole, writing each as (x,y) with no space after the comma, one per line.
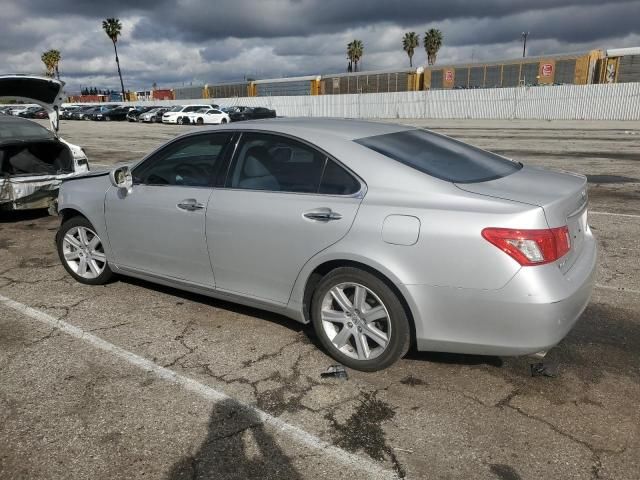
(524,46)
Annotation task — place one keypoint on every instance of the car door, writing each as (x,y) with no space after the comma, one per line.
(260,112)
(278,208)
(159,226)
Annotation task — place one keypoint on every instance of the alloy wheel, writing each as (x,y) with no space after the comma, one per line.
(83,252)
(356,321)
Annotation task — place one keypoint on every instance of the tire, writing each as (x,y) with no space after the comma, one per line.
(224,120)
(96,270)
(180,121)
(339,331)
(200,121)
(107,119)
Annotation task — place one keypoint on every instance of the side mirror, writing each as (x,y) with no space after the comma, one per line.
(121,178)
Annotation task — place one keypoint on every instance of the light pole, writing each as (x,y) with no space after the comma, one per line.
(524,46)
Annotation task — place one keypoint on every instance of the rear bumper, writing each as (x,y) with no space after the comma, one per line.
(533,312)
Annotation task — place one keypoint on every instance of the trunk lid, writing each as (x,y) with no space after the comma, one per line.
(561,195)
(43,91)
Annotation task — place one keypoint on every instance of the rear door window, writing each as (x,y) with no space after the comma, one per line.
(337,181)
(276,163)
(441,157)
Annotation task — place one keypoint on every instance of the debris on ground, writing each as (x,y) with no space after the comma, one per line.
(544,369)
(335,371)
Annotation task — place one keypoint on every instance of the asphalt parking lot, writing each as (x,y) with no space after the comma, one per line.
(133,380)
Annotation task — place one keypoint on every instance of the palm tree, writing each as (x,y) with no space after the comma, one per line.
(55,60)
(356,49)
(112,27)
(49,66)
(350,56)
(432,43)
(409,43)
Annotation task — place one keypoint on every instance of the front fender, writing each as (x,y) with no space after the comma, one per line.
(86,196)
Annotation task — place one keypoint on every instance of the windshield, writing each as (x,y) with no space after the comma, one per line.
(177,108)
(441,157)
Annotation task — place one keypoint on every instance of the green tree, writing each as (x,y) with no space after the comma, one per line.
(112,27)
(409,43)
(432,43)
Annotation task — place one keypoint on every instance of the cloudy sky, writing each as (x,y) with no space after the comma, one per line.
(178,42)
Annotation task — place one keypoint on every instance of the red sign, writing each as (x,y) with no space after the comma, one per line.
(448,75)
(547,69)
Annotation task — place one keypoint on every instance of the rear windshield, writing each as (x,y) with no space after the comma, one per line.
(440,156)
(20,129)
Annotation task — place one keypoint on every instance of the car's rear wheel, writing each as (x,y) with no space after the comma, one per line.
(359,319)
(200,121)
(81,252)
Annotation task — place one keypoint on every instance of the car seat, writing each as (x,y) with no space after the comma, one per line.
(255,173)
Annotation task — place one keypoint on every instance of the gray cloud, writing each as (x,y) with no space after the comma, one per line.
(171,42)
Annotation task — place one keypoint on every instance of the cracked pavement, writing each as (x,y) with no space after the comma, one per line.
(68,410)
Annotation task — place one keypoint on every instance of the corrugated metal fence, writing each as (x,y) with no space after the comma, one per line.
(566,102)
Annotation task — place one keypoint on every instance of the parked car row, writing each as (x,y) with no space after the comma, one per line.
(24,111)
(178,114)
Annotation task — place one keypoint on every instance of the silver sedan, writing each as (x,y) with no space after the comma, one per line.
(382,236)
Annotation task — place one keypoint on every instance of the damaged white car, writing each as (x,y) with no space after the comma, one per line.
(33,159)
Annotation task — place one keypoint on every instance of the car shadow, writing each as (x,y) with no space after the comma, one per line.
(307,329)
(15,216)
(454,358)
(281,320)
(237,446)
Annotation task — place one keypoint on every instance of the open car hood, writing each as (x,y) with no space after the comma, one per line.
(43,91)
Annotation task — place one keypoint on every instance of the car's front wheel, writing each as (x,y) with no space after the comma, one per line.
(81,252)
(359,319)
(200,121)
(224,120)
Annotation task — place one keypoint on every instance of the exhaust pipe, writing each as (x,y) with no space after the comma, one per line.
(539,355)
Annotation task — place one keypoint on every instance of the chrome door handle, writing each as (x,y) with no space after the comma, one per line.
(190,205)
(323,215)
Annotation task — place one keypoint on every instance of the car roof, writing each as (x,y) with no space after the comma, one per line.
(343,128)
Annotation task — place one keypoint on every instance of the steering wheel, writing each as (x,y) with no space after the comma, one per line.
(191,172)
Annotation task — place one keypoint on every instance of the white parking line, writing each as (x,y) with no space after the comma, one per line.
(617,289)
(371,468)
(614,214)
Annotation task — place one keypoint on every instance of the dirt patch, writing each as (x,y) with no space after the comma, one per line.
(611,179)
(504,472)
(412,381)
(363,430)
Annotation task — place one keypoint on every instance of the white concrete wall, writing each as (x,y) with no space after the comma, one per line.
(567,102)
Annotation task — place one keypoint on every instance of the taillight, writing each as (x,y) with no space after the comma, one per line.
(531,247)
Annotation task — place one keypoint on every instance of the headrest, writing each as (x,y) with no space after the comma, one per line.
(254,164)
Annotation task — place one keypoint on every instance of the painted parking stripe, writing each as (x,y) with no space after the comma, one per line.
(371,468)
(614,214)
